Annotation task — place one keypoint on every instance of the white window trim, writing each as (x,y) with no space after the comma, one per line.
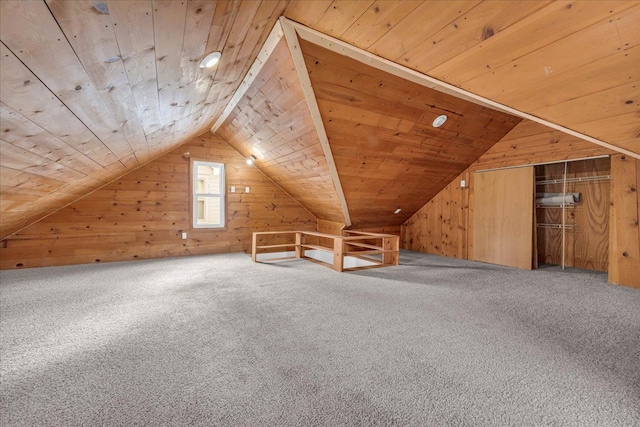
(195,194)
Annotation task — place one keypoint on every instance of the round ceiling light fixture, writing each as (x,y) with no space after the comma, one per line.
(439,121)
(251,159)
(210,60)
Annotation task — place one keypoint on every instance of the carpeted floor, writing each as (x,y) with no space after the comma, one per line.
(219,340)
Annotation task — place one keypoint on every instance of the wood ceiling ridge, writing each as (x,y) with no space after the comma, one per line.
(398,70)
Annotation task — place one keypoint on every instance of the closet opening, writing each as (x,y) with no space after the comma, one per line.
(572,214)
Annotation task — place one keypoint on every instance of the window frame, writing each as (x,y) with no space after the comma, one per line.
(195,194)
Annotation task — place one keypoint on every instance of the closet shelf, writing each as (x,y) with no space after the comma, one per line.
(558,226)
(579,179)
(573,205)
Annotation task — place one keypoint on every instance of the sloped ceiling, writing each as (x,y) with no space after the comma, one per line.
(387,153)
(91,90)
(272,122)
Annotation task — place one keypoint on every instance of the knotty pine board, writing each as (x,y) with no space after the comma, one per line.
(527,143)
(624,245)
(273,123)
(143,214)
(387,153)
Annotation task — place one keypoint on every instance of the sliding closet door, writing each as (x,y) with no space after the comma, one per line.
(503,217)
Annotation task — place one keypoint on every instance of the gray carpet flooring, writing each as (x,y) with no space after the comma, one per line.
(218,340)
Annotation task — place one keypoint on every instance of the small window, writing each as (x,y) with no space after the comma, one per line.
(208,195)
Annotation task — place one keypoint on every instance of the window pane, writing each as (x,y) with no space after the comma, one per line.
(209,176)
(200,209)
(208,211)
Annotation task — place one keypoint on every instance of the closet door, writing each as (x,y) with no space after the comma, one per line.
(503,217)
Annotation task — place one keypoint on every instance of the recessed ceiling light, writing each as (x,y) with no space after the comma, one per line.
(251,159)
(397,211)
(210,60)
(439,121)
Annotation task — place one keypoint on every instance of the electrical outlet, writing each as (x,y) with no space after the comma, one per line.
(232,189)
(246,189)
(184,235)
(463,183)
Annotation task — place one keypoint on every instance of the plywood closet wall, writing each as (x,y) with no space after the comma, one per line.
(586,224)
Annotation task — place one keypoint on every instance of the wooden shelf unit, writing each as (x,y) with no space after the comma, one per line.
(343,245)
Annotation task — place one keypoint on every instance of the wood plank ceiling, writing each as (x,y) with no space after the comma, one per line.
(272,122)
(388,154)
(91,90)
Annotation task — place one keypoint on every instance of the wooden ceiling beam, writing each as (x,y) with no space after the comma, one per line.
(305,82)
(398,70)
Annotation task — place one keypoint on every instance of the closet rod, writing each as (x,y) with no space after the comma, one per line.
(580,179)
(552,162)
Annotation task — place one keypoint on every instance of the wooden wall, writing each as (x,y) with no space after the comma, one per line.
(443,225)
(624,246)
(440,227)
(143,214)
(273,123)
(430,229)
(89,93)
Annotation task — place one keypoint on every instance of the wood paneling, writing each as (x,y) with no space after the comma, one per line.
(429,230)
(531,142)
(624,250)
(107,89)
(539,57)
(387,153)
(272,122)
(143,214)
(503,217)
(116,86)
(441,226)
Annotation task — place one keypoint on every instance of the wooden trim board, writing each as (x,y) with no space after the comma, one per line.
(269,45)
(305,82)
